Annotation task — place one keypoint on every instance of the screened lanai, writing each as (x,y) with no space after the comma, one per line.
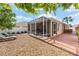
(39,27)
(45,27)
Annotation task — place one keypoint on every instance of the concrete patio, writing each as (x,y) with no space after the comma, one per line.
(67,42)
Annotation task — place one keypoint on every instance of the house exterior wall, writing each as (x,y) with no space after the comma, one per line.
(66,27)
(61,29)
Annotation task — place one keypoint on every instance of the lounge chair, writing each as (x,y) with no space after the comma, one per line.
(6,38)
(6,34)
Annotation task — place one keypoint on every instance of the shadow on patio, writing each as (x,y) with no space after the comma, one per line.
(67,42)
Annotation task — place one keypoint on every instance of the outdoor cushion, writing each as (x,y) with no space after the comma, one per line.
(4,38)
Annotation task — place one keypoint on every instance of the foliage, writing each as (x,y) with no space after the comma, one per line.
(48,7)
(5,6)
(34,8)
(7,17)
(64,5)
(76,5)
(77,33)
(27,7)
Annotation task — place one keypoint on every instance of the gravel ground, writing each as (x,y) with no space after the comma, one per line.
(25,45)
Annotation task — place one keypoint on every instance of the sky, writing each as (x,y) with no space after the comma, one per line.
(22,15)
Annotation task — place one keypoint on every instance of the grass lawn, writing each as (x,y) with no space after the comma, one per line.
(25,45)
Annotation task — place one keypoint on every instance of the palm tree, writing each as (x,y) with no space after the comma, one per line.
(68,20)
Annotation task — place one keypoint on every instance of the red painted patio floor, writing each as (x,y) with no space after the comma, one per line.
(68,42)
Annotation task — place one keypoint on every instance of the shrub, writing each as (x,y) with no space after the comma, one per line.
(18,32)
(77,33)
(13,32)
